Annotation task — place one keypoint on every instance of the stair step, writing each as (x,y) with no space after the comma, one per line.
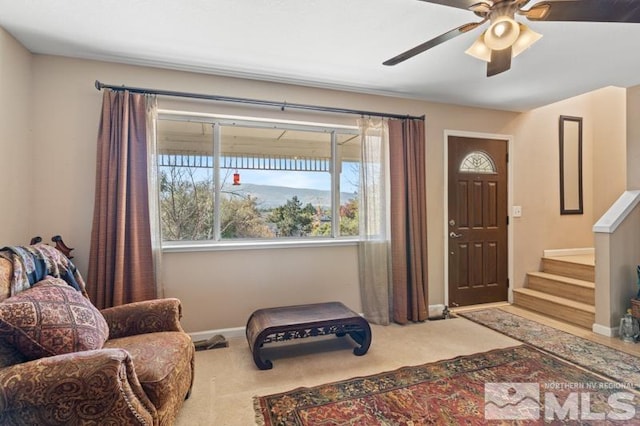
(558,285)
(569,268)
(561,308)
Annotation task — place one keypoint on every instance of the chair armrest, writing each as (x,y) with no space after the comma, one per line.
(98,386)
(149,316)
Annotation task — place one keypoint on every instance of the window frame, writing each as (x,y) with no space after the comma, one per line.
(218,120)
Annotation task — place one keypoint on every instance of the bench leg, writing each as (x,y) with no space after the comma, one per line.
(361,336)
(362,340)
(262,365)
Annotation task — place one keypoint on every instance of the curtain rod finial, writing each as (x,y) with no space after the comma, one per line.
(98,85)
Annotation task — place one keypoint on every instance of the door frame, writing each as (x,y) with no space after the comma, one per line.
(479,135)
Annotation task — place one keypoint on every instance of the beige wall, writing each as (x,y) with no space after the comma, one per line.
(536,175)
(633,137)
(608,107)
(219,289)
(16,164)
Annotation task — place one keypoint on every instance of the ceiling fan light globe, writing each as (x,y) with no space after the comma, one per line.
(526,39)
(502,33)
(479,50)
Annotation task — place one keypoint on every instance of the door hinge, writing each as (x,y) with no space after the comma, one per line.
(507,220)
(507,155)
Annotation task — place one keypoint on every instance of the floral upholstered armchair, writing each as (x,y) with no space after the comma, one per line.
(64,362)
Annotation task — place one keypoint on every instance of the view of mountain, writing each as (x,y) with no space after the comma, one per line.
(274,196)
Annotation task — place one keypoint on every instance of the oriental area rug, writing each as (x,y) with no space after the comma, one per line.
(519,385)
(596,357)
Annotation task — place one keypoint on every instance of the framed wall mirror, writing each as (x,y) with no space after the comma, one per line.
(570,165)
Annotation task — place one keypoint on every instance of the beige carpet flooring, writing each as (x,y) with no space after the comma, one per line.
(227,379)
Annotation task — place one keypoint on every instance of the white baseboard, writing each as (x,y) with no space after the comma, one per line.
(226,332)
(434,310)
(586,251)
(605,331)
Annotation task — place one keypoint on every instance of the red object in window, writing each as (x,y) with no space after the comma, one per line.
(236,178)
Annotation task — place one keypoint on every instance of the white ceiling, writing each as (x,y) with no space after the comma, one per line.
(330,43)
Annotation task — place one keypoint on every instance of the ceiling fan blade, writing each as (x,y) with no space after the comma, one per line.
(460,4)
(432,43)
(585,11)
(500,61)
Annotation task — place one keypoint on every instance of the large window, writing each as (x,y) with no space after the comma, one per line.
(224,179)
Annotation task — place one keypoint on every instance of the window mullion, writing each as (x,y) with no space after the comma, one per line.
(335,187)
(217,187)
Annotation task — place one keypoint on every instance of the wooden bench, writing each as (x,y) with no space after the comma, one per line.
(295,322)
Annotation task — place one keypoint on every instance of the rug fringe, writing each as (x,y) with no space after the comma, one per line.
(257,409)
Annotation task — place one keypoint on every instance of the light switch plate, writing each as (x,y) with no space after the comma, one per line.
(517,211)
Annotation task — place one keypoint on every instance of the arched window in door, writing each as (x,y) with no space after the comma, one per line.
(477,162)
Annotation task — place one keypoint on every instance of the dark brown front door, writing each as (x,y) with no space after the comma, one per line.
(477,222)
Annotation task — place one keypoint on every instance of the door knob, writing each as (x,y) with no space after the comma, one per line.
(454,235)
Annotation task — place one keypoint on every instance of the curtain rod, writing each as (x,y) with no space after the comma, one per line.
(281,105)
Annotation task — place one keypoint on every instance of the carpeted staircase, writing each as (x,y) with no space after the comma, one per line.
(564,290)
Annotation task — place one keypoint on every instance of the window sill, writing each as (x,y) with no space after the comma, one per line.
(193,246)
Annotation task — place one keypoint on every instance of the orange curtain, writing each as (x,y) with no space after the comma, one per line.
(408,220)
(121,261)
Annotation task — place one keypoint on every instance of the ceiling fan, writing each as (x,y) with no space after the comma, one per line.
(505,38)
